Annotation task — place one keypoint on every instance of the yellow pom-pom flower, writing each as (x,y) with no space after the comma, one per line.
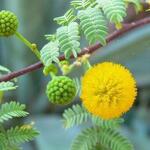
(108,90)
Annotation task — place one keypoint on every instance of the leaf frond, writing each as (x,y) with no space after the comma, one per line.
(4,69)
(50,53)
(86,139)
(113,123)
(114,140)
(68,17)
(81,4)
(68,37)
(11,110)
(19,135)
(7,86)
(115,10)
(107,138)
(78,85)
(94,25)
(75,116)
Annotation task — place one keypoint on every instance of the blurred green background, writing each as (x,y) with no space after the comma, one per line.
(131,50)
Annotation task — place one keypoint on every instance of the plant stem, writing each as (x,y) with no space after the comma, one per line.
(87,50)
(52,74)
(88,64)
(1,96)
(29,44)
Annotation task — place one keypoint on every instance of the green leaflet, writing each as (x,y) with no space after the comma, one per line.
(68,37)
(10,139)
(2,141)
(78,115)
(67,18)
(114,140)
(50,53)
(19,134)
(4,69)
(75,116)
(102,135)
(115,10)
(108,138)
(98,146)
(5,145)
(11,110)
(93,24)
(81,4)
(7,86)
(113,123)
(51,37)
(78,86)
(86,139)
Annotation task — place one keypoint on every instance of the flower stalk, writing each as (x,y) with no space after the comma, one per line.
(33,47)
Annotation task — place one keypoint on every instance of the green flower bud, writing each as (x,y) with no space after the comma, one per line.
(61,90)
(8,23)
(51,68)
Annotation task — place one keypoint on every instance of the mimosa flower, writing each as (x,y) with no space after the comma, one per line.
(108,90)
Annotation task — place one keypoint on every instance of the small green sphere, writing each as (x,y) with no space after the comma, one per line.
(61,90)
(8,23)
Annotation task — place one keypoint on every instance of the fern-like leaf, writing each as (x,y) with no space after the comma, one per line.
(68,37)
(87,139)
(75,116)
(4,69)
(115,10)
(3,141)
(51,37)
(137,4)
(50,53)
(107,138)
(7,86)
(93,25)
(78,86)
(99,146)
(114,140)
(113,123)
(10,110)
(67,18)
(19,135)
(80,4)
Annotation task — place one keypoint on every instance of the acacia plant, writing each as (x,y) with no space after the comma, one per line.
(107,90)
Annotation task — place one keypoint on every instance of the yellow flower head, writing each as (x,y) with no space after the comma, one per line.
(108,90)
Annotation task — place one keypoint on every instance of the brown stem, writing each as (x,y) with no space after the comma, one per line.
(90,49)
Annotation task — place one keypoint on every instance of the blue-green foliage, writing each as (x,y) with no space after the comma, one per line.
(67,18)
(13,137)
(115,10)
(75,116)
(93,15)
(68,37)
(106,138)
(12,109)
(50,53)
(7,86)
(94,25)
(102,134)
